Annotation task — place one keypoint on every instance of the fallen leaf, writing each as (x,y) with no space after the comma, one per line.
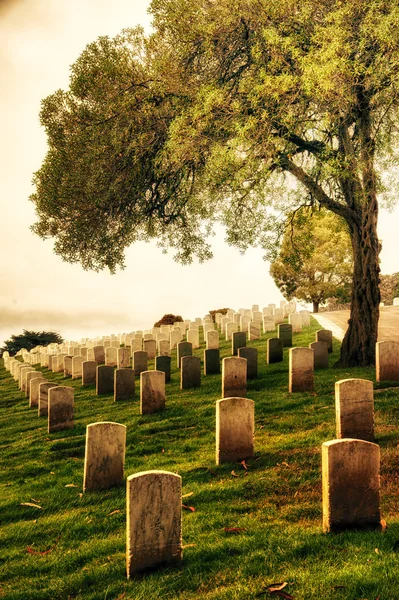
(285,464)
(188,495)
(234,474)
(31,551)
(376,550)
(276,587)
(383,524)
(71,485)
(34,500)
(114,512)
(31,504)
(234,529)
(162,451)
(244,464)
(192,508)
(188,546)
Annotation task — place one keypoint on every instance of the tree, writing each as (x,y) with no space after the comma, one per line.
(315,259)
(389,287)
(30,339)
(168,319)
(233,111)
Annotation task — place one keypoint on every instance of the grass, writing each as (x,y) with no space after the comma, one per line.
(276,504)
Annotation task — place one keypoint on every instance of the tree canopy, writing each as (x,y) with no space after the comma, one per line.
(315,259)
(30,339)
(231,111)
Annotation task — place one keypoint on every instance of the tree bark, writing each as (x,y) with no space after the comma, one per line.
(315,306)
(358,346)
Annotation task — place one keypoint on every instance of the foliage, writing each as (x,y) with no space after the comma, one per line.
(222,311)
(389,286)
(30,339)
(168,319)
(315,259)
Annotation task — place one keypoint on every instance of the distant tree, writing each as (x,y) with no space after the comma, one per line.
(168,319)
(30,339)
(389,287)
(223,311)
(315,261)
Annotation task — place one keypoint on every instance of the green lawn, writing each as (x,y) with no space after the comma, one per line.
(74,545)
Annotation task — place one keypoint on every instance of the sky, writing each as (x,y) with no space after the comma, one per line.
(39,40)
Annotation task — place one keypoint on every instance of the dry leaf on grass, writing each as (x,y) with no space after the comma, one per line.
(234,474)
(244,464)
(188,495)
(189,546)
(31,551)
(71,485)
(276,587)
(31,504)
(192,508)
(114,512)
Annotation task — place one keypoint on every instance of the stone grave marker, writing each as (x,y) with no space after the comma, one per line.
(77,362)
(140,362)
(164,348)
(212,361)
(42,407)
(104,380)
(212,340)
(284,332)
(34,390)
(123,358)
(354,409)
(295,319)
(174,339)
(104,455)
(320,350)
(89,372)
(190,374)
(24,381)
(239,340)
(274,350)
(301,370)
(29,377)
(60,408)
(351,485)
(278,314)
(234,377)
(244,323)
(111,356)
(99,354)
(254,330)
(387,361)
(163,363)
(183,349)
(325,335)
(268,324)
(251,356)
(150,346)
(123,384)
(68,366)
(231,327)
(193,338)
(153,523)
(152,392)
(235,421)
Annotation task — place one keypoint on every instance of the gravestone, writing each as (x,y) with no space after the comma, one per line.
(153,523)
(140,362)
(42,408)
(190,374)
(212,340)
(257,316)
(136,346)
(60,408)
(351,485)
(305,314)
(244,323)
(193,338)
(212,361)
(152,392)
(254,330)
(68,366)
(320,350)
(104,455)
(301,370)
(104,380)
(174,339)
(234,377)
(267,312)
(183,349)
(235,419)
(89,372)
(24,380)
(325,335)
(295,319)
(231,327)
(34,390)
(29,377)
(150,346)
(77,362)
(163,363)
(123,358)
(268,324)
(60,362)
(354,409)
(278,314)
(164,348)
(251,356)
(274,350)
(239,340)
(111,356)
(99,354)
(22,374)
(387,361)
(83,352)
(284,332)
(123,384)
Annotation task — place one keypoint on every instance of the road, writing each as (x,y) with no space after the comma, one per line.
(388,328)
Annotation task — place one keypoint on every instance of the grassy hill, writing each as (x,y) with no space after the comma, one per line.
(251,528)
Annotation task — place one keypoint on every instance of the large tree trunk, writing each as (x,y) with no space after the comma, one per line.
(358,346)
(315,306)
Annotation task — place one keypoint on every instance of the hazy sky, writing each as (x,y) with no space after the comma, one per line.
(39,40)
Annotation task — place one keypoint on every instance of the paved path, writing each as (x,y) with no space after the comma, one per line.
(337,321)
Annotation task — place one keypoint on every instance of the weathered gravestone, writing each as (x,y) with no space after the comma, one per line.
(274,350)
(104,380)
(387,361)
(320,354)
(325,335)
(29,377)
(231,327)
(301,370)
(354,409)
(60,362)
(284,332)
(152,392)
(150,346)
(268,323)
(183,349)
(89,372)
(163,363)
(123,384)
(104,455)
(34,389)
(164,348)
(68,366)
(239,340)
(278,314)
(305,314)
(351,485)
(190,374)
(254,330)
(295,319)
(212,361)
(42,408)
(251,356)
(123,358)
(153,524)
(244,323)
(24,380)
(99,354)
(212,340)
(22,374)
(60,408)
(193,337)
(140,362)
(234,377)
(77,362)
(235,420)
(111,356)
